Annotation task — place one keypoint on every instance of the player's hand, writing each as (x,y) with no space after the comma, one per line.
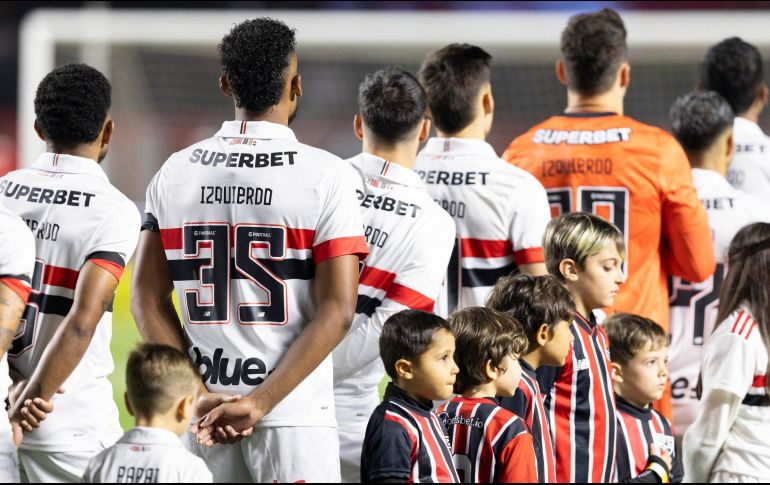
(662,454)
(209,400)
(14,392)
(35,411)
(235,419)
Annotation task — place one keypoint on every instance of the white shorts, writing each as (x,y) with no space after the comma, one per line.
(9,468)
(37,466)
(353,413)
(281,454)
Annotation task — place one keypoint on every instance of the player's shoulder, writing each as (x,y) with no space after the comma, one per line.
(735,329)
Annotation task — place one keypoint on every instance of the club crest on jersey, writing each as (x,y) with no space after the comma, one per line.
(664,441)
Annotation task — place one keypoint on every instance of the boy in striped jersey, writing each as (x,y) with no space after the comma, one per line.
(586,253)
(544,308)
(639,349)
(489,443)
(405,442)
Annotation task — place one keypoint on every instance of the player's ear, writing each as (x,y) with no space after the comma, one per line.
(487,101)
(39,131)
(561,73)
(128,404)
(358,126)
(296,87)
(490,371)
(224,86)
(624,74)
(729,146)
(763,94)
(184,408)
(404,369)
(568,269)
(543,334)
(617,373)
(425,129)
(107,131)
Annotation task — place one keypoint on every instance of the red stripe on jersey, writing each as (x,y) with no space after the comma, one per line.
(599,426)
(759,381)
(409,297)
(442,468)
(636,441)
(561,412)
(295,238)
(735,325)
(485,248)
(746,321)
(529,256)
(751,329)
(114,268)
(342,246)
(376,278)
(172,238)
(19,287)
(64,277)
(485,471)
(389,416)
(299,238)
(517,461)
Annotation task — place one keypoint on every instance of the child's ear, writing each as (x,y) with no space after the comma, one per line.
(543,334)
(617,373)
(404,369)
(568,269)
(184,408)
(128,404)
(491,371)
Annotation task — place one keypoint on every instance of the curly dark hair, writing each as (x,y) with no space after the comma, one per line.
(593,46)
(71,104)
(254,57)
(698,118)
(392,104)
(733,68)
(452,77)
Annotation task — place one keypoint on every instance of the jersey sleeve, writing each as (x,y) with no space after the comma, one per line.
(517,461)
(114,242)
(17,257)
(340,228)
(196,471)
(516,150)
(728,364)
(388,450)
(528,222)
(687,248)
(151,205)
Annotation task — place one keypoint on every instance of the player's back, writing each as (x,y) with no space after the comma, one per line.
(694,305)
(147,455)
(750,168)
(636,176)
(76,216)
(500,213)
(244,217)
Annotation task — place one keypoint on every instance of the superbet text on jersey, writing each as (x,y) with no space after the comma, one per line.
(76,216)
(500,213)
(244,218)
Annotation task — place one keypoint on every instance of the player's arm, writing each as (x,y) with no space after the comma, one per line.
(517,461)
(11,308)
(336,290)
(94,293)
(687,248)
(151,294)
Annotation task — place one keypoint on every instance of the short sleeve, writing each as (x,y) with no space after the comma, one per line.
(151,205)
(530,217)
(517,461)
(17,255)
(340,228)
(388,450)
(728,364)
(114,242)
(196,471)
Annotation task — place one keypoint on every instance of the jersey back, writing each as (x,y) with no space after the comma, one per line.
(76,216)
(245,216)
(637,177)
(750,168)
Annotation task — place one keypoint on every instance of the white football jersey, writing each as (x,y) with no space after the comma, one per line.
(694,306)
(500,211)
(244,218)
(76,216)
(17,261)
(410,239)
(750,170)
(147,455)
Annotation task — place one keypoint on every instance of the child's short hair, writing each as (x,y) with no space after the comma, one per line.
(576,236)
(532,301)
(481,335)
(406,335)
(629,334)
(156,377)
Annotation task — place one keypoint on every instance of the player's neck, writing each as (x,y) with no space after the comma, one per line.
(609,102)
(475,131)
(634,402)
(580,305)
(708,162)
(481,391)
(403,154)
(533,358)
(274,115)
(751,114)
(82,151)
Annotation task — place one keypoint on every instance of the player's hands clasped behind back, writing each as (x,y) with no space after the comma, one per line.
(230,421)
(27,416)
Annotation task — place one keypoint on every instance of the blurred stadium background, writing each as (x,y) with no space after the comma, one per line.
(162,62)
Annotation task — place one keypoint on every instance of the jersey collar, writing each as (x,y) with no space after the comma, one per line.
(628,408)
(746,125)
(378,168)
(60,163)
(395,392)
(142,435)
(588,324)
(459,146)
(264,130)
(527,369)
(702,177)
(477,400)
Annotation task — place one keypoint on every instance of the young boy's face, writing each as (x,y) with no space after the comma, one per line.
(556,349)
(599,281)
(508,380)
(435,369)
(644,378)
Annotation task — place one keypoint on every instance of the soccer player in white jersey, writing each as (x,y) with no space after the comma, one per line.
(261,237)
(734,69)
(500,210)
(161,383)
(410,239)
(702,122)
(85,231)
(17,260)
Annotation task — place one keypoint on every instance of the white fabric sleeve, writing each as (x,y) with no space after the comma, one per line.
(528,221)
(118,233)
(733,374)
(704,438)
(197,472)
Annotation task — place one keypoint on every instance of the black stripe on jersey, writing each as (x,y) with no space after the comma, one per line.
(55,305)
(108,256)
(150,223)
(367,305)
(760,400)
(21,277)
(287,269)
(607,389)
(582,411)
(476,277)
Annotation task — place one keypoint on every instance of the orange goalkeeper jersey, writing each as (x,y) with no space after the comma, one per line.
(636,176)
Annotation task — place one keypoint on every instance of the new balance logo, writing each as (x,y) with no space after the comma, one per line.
(217,370)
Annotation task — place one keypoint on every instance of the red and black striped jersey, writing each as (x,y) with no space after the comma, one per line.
(527,403)
(637,430)
(405,442)
(489,443)
(580,403)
